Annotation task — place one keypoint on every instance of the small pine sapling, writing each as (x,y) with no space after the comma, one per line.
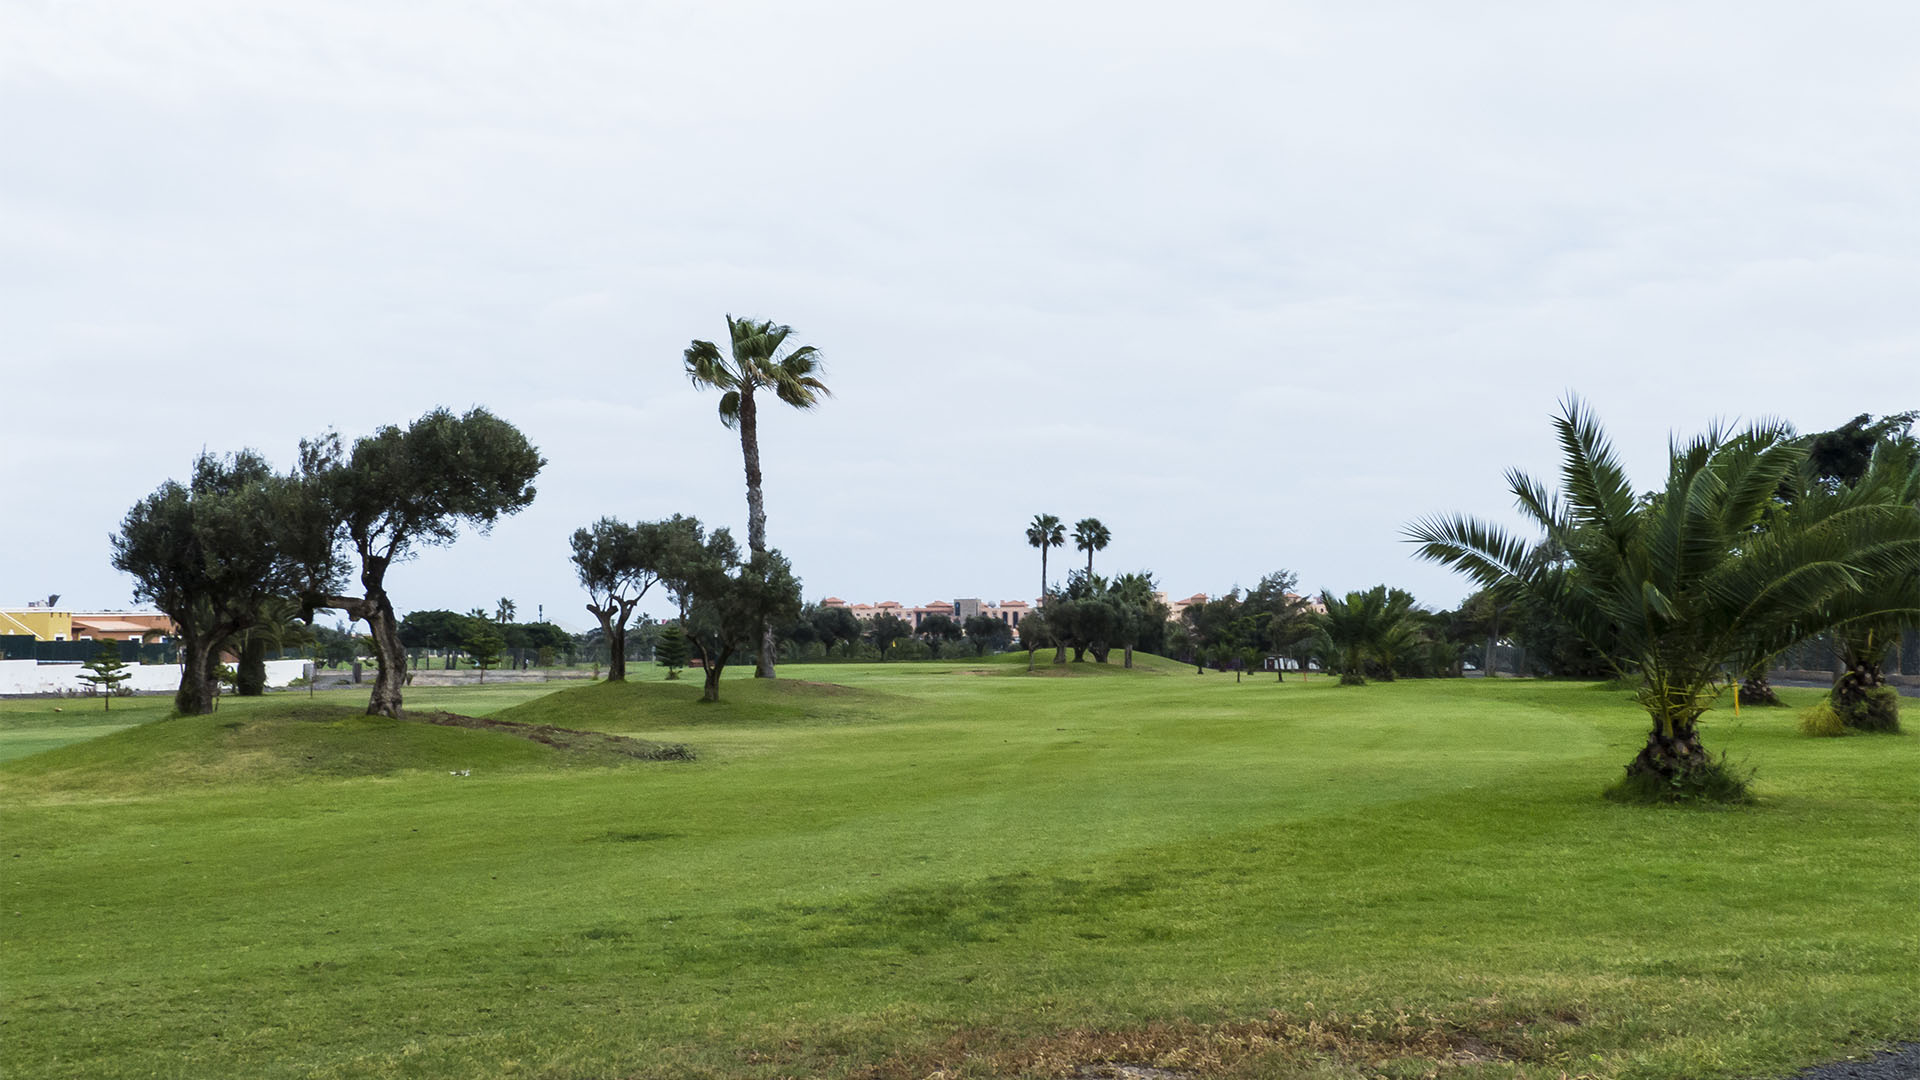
(670,650)
(105,672)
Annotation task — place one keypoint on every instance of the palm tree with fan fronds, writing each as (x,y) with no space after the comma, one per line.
(1045,531)
(758,360)
(1090,536)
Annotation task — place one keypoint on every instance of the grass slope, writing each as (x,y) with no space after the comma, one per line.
(925,868)
(31,725)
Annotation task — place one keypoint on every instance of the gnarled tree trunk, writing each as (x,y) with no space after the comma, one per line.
(199,674)
(377,611)
(613,617)
(392,656)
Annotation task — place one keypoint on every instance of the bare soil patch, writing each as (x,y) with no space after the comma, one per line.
(560,738)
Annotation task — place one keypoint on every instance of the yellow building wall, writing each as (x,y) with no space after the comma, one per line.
(44,624)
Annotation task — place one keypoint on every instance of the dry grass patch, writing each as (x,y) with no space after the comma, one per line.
(1400,1045)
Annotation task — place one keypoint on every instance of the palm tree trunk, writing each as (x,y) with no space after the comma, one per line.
(1673,751)
(1043,575)
(756,511)
(1755,689)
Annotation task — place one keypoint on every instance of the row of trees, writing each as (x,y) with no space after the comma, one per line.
(1760,539)
(484,637)
(240,550)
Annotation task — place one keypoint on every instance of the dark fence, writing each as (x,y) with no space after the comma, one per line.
(25,647)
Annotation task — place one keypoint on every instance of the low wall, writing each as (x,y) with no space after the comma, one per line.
(466,677)
(33,677)
(1799,675)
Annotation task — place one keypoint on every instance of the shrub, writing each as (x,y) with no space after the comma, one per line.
(1821,721)
(1876,710)
(1714,782)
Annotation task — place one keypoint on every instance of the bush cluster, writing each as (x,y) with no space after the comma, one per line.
(1821,722)
(1717,781)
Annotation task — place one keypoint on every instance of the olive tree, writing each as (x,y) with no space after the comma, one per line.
(403,489)
(214,552)
(726,601)
(617,563)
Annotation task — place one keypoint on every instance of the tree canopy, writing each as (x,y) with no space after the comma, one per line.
(617,563)
(399,490)
(213,552)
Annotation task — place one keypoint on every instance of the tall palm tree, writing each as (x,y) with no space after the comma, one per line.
(1671,587)
(1045,532)
(504,612)
(1090,536)
(756,362)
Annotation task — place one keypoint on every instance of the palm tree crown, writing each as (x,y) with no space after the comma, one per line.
(756,362)
(1045,531)
(1371,625)
(1090,536)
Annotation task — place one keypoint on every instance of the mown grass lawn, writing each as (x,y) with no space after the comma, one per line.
(957,870)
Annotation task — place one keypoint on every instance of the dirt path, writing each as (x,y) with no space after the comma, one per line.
(563,738)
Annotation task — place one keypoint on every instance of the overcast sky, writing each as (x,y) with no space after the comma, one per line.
(1253,284)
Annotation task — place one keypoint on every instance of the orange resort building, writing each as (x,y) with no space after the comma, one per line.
(43,622)
(1009,612)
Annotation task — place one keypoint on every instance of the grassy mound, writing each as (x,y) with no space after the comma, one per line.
(660,704)
(285,740)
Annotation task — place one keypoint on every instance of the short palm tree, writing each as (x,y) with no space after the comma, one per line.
(1365,626)
(756,361)
(1045,531)
(1867,622)
(1672,587)
(1090,536)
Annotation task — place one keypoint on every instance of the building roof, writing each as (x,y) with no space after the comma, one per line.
(111,626)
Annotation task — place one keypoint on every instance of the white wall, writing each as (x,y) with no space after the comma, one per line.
(33,677)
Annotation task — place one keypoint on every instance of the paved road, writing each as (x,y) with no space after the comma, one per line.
(1900,1063)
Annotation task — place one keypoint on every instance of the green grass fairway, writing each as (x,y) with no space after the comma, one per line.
(955,870)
